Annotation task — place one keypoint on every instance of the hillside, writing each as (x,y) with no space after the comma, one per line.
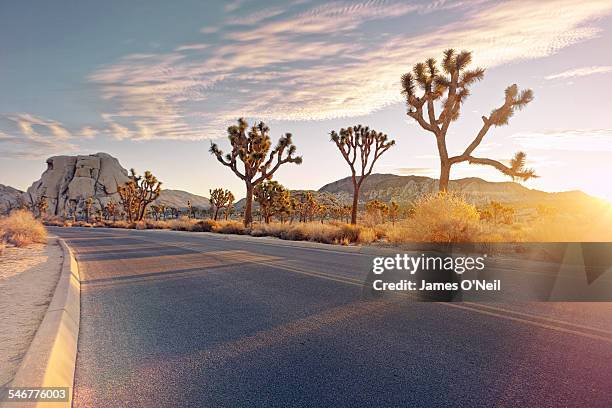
(178,199)
(403,189)
(406,189)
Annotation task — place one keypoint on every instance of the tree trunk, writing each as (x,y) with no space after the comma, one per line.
(445,168)
(356,187)
(216,213)
(248,216)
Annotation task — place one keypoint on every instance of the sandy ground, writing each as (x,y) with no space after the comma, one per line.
(28,277)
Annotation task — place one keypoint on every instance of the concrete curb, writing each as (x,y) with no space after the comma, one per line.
(50,360)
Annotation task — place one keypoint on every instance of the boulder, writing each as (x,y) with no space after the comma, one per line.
(10,198)
(70,180)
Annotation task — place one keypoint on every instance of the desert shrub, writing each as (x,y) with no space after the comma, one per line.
(273,229)
(366,235)
(443,217)
(181,224)
(119,224)
(229,227)
(54,221)
(140,225)
(332,233)
(204,226)
(152,224)
(82,224)
(20,228)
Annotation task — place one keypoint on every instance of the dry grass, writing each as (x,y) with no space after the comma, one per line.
(332,233)
(443,218)
(229,227)
(20,228)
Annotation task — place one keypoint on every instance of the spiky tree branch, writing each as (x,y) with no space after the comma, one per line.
(251,147)
(361,147)
(447,87)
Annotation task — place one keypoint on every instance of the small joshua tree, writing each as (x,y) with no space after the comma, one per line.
(220,198)
(273,199)
(447,90)
(229,206)
(361,143)
(377,210)
(394,211)
(189,209)
(252,148)
(138,193)
(306,206)
(42,205)
(111,210)
(88,207)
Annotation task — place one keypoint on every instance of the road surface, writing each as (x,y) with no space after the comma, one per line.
(206,320)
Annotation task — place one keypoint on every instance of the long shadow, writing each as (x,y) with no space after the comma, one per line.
(147,252)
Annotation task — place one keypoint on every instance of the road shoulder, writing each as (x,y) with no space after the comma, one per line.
(51,358)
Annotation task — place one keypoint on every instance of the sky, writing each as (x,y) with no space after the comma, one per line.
(154,82)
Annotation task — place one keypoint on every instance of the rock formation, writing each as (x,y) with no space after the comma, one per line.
(10,198)
(70,180)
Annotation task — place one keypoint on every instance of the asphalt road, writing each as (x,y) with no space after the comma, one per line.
(173,319)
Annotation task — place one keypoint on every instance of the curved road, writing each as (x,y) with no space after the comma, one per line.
(173,319)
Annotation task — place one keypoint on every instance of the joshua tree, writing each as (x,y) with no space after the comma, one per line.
(377,209)
(73,210)
(368,145)
(273,199)
(219,199)
(88,207)
(138,193)
(156,212)
(162,210)
(306,206)
(252,148)
(229,206)
(394,211)
(447,90)
(323,212)
(42,206)
(111,210)
(497,213)
(189,209)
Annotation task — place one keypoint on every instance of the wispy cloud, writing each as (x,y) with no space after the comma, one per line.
(32,137)
(588,140)
(580,72)
(321,62)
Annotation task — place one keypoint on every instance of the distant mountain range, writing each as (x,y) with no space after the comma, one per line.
(407,189)
(178,199)
(402,189)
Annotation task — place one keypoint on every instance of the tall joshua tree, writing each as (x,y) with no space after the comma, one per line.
(252,148)
(447,90)
(365,144)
